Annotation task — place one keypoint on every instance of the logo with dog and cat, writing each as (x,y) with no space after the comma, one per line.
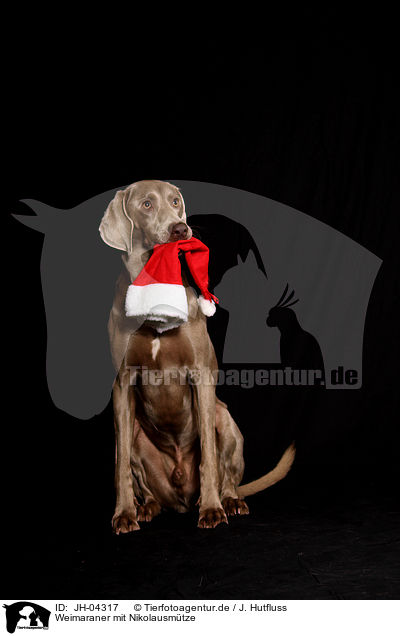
(293,294)
(26,615)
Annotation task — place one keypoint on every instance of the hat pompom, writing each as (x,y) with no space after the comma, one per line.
(206,306)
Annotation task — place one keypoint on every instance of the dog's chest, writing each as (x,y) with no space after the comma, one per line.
(159,372)
(170,350)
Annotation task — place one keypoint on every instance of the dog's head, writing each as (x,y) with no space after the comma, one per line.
(150,212)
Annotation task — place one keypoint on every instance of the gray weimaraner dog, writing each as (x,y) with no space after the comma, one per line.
(176,442)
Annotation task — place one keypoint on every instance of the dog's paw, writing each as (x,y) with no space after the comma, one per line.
(211,517)
(235,506)
(125,522)
(148,511)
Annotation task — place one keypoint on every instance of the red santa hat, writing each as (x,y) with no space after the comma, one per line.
(158,295)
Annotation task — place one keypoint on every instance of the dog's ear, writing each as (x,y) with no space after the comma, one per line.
(116,227)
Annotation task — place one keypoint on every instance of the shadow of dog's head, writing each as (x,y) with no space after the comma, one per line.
(146,212)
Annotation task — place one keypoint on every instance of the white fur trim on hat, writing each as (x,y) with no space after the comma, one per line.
(158,302)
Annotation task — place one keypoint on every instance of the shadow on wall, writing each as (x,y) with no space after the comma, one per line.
(230,244)
(298,348)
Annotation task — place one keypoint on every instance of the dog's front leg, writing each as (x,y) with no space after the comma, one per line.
(211,511)
(125,516)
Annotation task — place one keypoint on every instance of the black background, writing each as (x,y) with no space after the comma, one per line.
(298,107)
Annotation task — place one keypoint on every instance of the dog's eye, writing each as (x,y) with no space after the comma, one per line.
(175,202)
(147,205)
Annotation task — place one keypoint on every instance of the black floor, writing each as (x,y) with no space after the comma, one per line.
(306,538)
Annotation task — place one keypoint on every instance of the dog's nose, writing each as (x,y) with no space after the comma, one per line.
(179,232)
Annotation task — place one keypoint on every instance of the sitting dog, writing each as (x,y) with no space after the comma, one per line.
(176,442)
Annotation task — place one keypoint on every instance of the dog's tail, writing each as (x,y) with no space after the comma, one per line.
(276,474)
